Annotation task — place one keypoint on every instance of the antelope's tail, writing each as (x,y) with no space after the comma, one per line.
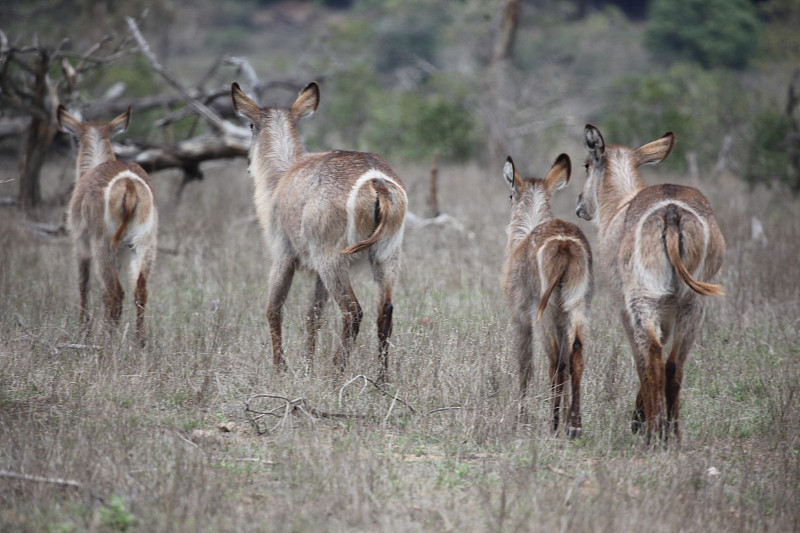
(130,200)
(557,269)
(672,243)
(383,210)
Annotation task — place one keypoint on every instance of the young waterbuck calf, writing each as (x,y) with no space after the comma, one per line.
(320,211)
(659,247)
(112,217)
(547,280)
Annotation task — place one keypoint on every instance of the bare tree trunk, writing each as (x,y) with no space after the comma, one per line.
(504,44)
(41,132)
(492,110)
(792,101)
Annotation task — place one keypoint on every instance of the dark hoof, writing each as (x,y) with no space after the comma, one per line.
(574,432)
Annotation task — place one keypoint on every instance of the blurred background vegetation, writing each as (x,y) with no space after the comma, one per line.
(408,78)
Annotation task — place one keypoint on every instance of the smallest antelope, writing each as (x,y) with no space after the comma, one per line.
(112,217)
(548,260)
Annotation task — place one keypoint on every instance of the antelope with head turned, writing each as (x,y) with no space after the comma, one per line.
(320,211)
(660,247)
(112,217)
(548,283)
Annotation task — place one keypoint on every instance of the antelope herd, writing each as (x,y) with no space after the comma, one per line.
(659,248)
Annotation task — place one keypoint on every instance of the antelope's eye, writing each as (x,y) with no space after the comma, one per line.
(251,126)
(585,165)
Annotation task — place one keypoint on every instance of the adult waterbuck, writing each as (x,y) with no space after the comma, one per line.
(112,217)
(320,211)
(547,280)
(659,247)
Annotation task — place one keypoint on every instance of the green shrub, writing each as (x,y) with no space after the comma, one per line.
(769,158)
(714,33)
(700,106)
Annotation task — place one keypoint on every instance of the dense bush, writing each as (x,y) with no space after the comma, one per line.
(769,158)
(713,33)
(700,106)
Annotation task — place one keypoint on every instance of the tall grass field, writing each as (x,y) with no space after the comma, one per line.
(196,432)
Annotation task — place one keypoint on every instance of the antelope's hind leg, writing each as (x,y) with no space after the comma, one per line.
(84,274)
(558,379)
(686,328)
(575,425)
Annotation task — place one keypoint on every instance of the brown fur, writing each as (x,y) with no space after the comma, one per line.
(548,266)
(659,247)
(112,203)
(315,218)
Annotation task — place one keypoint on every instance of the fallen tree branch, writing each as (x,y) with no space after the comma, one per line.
(40,479)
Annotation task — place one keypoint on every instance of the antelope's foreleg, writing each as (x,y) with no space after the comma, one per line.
(637,419)
(280,282)
(314,320)
(342,292)
(114,291)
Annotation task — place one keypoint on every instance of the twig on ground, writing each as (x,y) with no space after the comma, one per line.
(377,386)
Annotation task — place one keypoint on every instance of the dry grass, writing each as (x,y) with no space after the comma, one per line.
(159,439)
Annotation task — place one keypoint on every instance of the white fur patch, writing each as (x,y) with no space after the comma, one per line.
(135,230)
(371,174)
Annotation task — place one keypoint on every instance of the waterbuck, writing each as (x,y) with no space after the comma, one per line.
(320,211)
(547,280)
(112,217)
(659,247)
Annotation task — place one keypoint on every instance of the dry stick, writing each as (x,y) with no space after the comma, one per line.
(40,479)
(377,386)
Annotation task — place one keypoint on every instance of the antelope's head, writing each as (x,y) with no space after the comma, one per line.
(262,119)
(530,197)
(276,142)
(94,137)
(615,167)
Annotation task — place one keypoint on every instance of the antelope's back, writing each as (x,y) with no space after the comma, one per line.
(327,199)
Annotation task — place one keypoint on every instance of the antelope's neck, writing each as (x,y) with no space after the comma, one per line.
(621,182)
(274,151)
(93,150)
(532,210)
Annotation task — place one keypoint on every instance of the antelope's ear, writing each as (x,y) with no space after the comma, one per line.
(67,122)
(593,140)
(120,124)
(511,175)
(656,151)
(558,176)
(307,101)
(243,105)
